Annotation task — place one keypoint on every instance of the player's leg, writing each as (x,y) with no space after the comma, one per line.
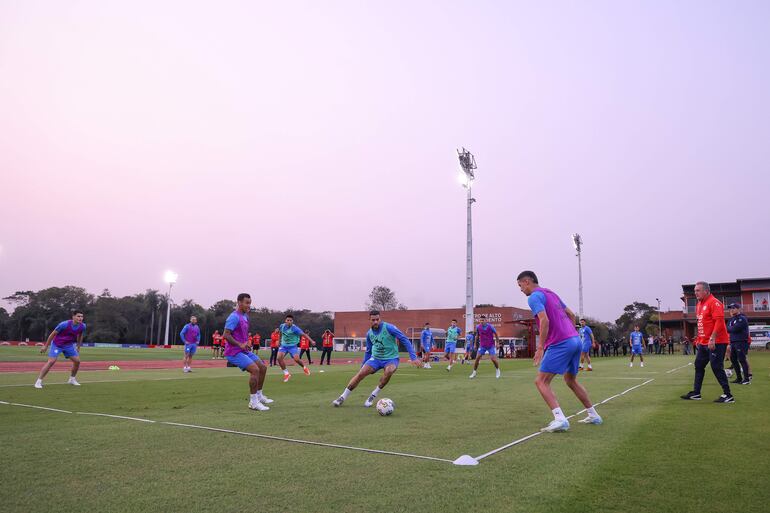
(582,394)
(44,371)
(493,357)
(735,363)
(256,377)
(298,361)
(743,362)
(588,359)
(701,360)
(543,384)
(479,354)
(388,370)
(717,360)
(364,371)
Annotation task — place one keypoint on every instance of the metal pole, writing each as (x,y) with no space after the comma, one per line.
(580,281)
(469,318)
(168,312)
(660,329)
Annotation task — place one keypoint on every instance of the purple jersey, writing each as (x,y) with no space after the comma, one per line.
(238,324)
(560,327)
(486,335)
(67,333)
(191,333)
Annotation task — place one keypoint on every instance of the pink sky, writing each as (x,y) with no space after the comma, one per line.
(305,151)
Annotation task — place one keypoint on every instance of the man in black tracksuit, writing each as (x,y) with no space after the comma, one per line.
(738,328)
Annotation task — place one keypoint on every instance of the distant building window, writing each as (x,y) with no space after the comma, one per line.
(761,301)
(691,303)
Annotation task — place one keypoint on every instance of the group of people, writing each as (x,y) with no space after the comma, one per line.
(561,349)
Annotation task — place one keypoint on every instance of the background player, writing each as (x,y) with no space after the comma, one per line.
(327,339)
(67,338)
(486,341)
(426,343)
(216,339)
(256,341)
(558,350)
(304,348)
(275,343)
(588,341)
(290,335)
(470,344)
(450,349)
(381,353)
(191,336)
(636,341)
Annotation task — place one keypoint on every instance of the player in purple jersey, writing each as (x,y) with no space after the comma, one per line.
(486,341)
(558,350)
(238,352)
(67,338)
(191,336)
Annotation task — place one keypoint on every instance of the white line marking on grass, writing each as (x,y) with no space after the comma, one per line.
(116,381)
(678,368)
(115,416)
(37,407)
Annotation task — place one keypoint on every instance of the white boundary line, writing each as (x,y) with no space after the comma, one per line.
(118,381)
(678,368)
(232,432)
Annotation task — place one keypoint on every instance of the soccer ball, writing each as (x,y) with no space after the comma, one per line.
(385,407)
(729,373)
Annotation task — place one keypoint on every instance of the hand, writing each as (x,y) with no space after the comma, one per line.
(42,349)
(416,362)
(538,357)
(712,344)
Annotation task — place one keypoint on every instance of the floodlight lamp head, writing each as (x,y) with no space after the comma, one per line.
(576,241)
(467,163)
(170,277)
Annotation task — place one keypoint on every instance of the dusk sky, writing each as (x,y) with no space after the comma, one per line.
(305,151)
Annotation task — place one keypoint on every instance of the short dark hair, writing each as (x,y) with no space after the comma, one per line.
(527,274)
(75,312)
(483,316)
(289,316)
(374,312)
(455,320)
(427,324)
(243,296)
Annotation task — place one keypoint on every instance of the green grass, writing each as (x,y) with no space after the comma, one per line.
(654,453)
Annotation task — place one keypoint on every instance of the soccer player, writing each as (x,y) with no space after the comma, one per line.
(486,340)
(738,327)
(426,343)
(290,334)
(67,338)
(327,341)
(636,341)
(304,348)
(191,336)
(256,341)
(216,341)
(275,343)
(381,353)
(588,341)
(238,352)
(450,349)
(558,350)
(712,343)
(470,340)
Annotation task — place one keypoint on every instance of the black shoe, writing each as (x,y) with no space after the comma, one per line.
(691,396)
(737,381)
(745,382)
(724,398)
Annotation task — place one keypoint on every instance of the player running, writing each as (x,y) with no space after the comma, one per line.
(381,353)
(470,341)
(636,341)
(426,343)
(450,349)
(67,338)
(191,336)
(487,341)
(238,352)
(588,341)
(290,335)
(558,350)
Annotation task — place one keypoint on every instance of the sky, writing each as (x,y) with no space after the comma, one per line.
(305,152)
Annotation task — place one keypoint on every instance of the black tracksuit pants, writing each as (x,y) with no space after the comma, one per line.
(703,357)
(738,357)
(327,352)
(273,356)
(303,351)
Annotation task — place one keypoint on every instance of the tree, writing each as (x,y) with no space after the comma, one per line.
(383,299)
(635,314)
(601,330)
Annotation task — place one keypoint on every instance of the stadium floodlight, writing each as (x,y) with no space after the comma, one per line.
(577,243)
(660,329)
(170,277)
(466,177)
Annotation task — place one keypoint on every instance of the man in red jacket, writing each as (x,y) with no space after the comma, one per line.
(711,343)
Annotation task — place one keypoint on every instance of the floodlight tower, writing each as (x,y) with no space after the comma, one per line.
(577,242)
(170,278)
(660,328)
(466,177)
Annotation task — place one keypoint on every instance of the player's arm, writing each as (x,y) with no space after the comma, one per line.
(302,333)
(631,340)
(49,339)
(80,338)
(571,315)
(368,353)
(544,326)
(593,339)
(198,338)
(228,335)
(407,343)
(182,333)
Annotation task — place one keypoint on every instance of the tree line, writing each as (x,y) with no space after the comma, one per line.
(136,319)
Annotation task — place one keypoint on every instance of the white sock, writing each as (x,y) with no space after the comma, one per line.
(558,414)
(285,371)
(589,366)
(592,412)
(254,397)
(376,391)
(345,393)
(259,393)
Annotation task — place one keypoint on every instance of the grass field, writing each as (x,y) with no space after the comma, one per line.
(655,452)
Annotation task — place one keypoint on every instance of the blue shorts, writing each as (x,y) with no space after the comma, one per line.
(292,350)
(636,349)
(484,350)
(381,364)
(190,349)
(563,357)
(468,348)
(587,346)
(426,346)
(451,347)
(243,360)
(68,351)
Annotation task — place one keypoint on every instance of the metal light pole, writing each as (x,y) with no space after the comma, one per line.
(468,164)
(578,243)
(660,329)
(170,278)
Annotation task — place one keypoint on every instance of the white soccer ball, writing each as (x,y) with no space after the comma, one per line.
(385,407)
(729,373)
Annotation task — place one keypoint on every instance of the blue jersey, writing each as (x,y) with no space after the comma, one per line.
(585,334)
(637,338)
(427,336)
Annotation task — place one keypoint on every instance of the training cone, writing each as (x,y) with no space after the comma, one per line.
(466,460)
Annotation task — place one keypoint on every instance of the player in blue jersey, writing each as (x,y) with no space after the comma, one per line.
(636,341)
(290,336)
(381,353)
(450,347)
(67,338)
(191,336)
(587,341)
(470,341)
(426,344)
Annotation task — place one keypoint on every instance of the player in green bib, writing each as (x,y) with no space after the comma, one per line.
(450,347)
(381,353)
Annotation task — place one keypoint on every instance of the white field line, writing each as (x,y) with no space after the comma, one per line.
(678,368)
(537,433)
(118,381)
(232,432)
